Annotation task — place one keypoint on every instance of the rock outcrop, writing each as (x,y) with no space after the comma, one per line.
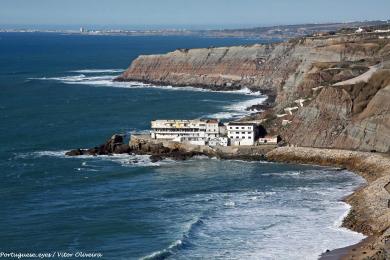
(354,117)
(278,68)
(114,145)
(157,150)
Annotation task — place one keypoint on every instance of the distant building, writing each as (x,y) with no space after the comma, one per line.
(360,30)
(382,31)
(268,140)
(241,133)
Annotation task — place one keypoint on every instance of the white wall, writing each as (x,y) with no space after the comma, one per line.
(241,134)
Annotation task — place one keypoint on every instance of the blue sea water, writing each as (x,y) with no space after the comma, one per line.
(56,94)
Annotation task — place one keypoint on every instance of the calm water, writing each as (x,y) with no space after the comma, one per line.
(56,94)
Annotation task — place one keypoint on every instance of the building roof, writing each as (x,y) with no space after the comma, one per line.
(206,120)
(242,123)
(212,121)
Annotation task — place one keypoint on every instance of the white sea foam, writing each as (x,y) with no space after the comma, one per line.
(238,109)
(105,80)
(162,254)
(285,223)
(235,110)
(98,71)
(128,160)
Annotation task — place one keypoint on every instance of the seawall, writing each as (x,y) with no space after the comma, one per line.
(145,143)
(370,213)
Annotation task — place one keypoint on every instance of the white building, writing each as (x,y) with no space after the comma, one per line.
(360,30)
(212,128)
(196,131)
(382,31)
(191,140)
(218,141)
(241,133)
(268,140)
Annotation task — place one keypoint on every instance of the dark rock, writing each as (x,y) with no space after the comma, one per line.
(75,152)
(113,145)
(156,158)
(122,148)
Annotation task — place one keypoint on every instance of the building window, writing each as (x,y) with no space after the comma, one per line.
(243,137)
(236,137)
(249,137)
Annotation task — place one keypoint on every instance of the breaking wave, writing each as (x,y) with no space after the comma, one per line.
(105,77)
(162,254)
(238,109)
(178,244)
(127,160)
(98,71)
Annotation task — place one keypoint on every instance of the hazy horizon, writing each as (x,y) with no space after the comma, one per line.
(156,26)
(201,14)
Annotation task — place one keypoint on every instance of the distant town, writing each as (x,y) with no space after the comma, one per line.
(267,32)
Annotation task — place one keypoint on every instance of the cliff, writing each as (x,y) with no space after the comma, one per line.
(355,117)
(288,69)
(348,115)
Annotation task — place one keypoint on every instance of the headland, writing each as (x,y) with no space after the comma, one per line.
(328,104)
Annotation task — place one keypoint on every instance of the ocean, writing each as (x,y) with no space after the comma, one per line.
(57,94)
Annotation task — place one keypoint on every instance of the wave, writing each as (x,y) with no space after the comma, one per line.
(176,245)
(262,224)
(238,109)
(105,80)
(235,110)
(127,160)
(98,71)
(165,253)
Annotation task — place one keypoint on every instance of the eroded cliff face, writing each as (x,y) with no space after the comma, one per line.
(354,116)
(279,68)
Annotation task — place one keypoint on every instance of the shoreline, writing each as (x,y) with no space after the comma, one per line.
(369,203)
(234,88)
(369,213)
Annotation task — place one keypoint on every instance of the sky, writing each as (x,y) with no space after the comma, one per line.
(187,13)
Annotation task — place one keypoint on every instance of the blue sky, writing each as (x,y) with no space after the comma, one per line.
(157,13)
